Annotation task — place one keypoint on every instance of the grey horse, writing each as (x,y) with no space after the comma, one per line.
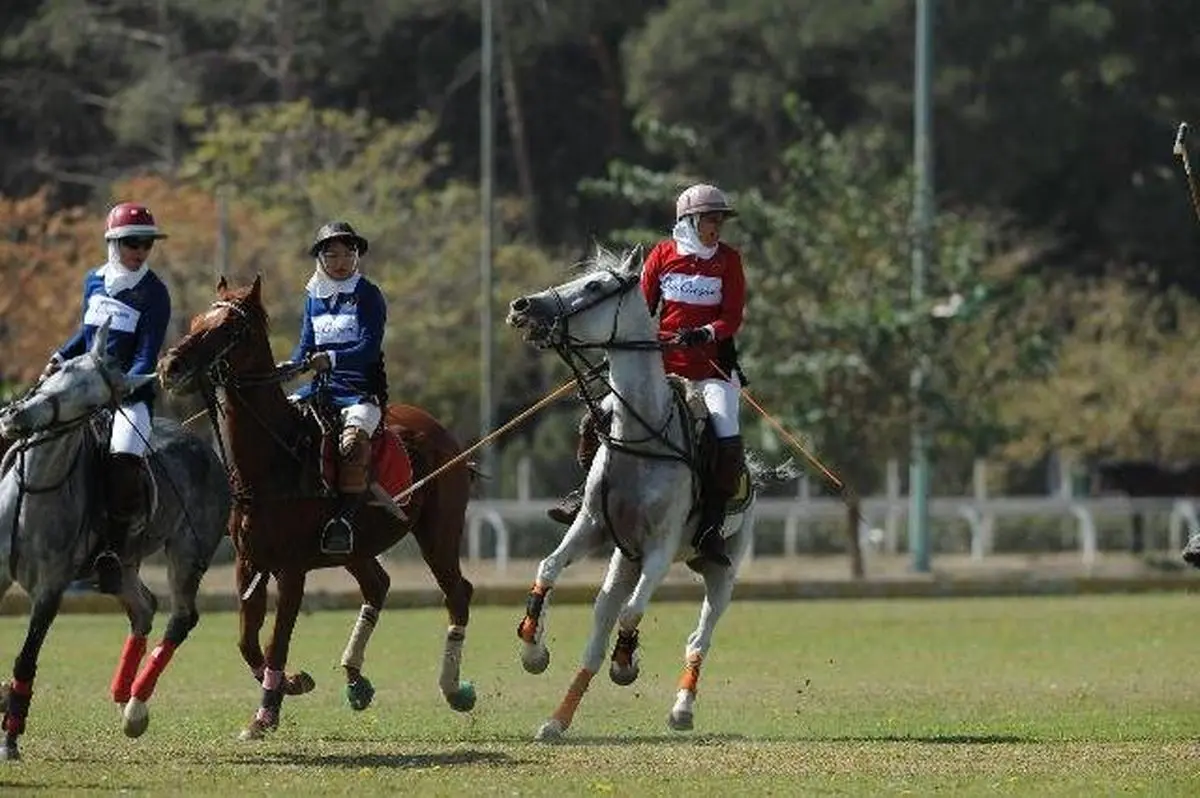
(51,516)
(640,491)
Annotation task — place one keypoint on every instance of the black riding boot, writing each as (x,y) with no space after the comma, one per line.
(126,494)
(709,540)
(585,452)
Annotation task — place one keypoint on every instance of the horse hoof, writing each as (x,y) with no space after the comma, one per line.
(680,721)
(10,753)
(550,732)
(137,718)
(359,693)
(624,675)
(255,731)
(299,684)
(462,699)
(535,658)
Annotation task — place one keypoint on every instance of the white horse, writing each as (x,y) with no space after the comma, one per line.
(641,489)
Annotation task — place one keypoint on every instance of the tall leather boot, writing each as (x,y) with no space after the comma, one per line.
(126,494)
(354,459)
(589,443)
(709,541)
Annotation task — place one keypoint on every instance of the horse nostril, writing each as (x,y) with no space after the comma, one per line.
(519,305)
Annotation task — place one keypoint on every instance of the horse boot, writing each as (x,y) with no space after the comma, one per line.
(354,456)
(589,443)
(126,493)
(709,541)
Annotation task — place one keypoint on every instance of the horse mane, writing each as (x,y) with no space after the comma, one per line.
(607,260)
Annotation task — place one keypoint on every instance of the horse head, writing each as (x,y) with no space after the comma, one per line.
(589,311)
(229,337)
(80,387)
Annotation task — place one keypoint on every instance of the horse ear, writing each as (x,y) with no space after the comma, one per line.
(256,289)
(134,381)
(222,285)
(100,342)
(633,260)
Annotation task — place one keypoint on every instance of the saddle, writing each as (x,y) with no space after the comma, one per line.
(390,469)
(702,443)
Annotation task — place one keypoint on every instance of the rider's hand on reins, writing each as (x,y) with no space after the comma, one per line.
(693,336)
(318,362)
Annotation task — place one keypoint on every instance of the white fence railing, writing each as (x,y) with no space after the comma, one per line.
(881,518)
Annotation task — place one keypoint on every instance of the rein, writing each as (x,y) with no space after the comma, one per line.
(570,350)
(220,375)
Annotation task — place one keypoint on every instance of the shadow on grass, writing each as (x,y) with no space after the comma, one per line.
(938,739)
(392,761)
(691,739)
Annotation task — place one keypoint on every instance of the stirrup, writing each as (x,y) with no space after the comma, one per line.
(337,537)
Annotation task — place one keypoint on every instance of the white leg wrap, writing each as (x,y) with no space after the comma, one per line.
(352,657)
(452,659)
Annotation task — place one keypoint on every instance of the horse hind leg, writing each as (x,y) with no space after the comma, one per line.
(18,694)
(618,584)
(440,547)
(374,583)
(718,594)
(140,605)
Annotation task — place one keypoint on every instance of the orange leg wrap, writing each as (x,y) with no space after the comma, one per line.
(579,685)
(691,674)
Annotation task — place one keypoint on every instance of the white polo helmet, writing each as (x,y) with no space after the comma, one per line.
(702,198)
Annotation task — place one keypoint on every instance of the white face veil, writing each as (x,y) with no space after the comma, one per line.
(687,238)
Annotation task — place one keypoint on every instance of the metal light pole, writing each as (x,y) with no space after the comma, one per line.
(486,158)
(918,477)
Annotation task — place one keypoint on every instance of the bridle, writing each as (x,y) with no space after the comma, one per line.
(571,350)
(220,374)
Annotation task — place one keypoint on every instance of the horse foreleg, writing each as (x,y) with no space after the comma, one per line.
(374,583)
(584,536)
(287,609)
(718,593)
(618,584)
(252,612)
(18,693)
(626,658)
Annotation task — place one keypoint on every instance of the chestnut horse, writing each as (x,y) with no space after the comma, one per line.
(280,505)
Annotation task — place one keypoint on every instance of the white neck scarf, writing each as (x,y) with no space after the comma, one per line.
(322,286)
(117,278)
(687,239)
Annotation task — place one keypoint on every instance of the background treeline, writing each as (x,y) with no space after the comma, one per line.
(1062,311)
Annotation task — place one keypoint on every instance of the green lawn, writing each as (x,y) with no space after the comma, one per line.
(1045,696)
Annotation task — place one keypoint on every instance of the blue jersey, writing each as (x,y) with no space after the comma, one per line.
(349,326)
(138,319)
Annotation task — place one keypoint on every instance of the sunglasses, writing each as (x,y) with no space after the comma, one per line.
(138,243)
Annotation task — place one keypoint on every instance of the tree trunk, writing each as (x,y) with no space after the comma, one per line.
(516,120)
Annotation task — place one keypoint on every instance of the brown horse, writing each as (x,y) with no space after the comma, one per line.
(280,504)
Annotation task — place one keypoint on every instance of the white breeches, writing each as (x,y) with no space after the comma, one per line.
(365,416)
(721,397)
(130,429)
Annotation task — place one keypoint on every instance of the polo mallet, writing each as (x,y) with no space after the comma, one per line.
(1181,152)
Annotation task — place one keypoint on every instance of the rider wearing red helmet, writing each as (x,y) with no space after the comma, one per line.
(137,306)
(696,285)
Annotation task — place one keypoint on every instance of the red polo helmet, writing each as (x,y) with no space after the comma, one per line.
(131,220)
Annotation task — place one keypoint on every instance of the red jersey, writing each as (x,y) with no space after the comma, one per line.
(695,293)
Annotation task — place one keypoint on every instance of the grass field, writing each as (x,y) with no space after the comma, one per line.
(1046,696)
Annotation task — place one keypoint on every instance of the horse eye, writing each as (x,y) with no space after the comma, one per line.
(592,285)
